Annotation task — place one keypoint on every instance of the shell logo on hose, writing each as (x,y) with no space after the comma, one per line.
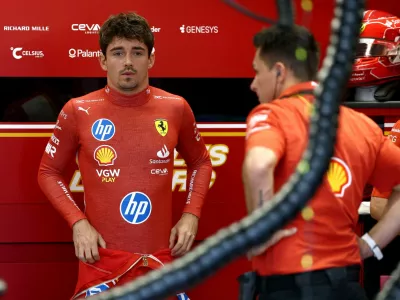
(105,155)
(339,176)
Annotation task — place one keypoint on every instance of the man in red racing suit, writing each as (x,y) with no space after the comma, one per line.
(124,136)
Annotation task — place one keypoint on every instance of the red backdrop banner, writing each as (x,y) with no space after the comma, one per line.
(204,38)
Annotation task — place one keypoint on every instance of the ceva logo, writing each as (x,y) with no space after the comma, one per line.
(86,28)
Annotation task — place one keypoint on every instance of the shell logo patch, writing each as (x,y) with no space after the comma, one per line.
(339,176)
(105,155)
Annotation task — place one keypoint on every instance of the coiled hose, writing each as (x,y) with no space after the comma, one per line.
(235,240)
(285,12)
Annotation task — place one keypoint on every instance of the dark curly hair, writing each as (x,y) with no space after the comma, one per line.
(129,26)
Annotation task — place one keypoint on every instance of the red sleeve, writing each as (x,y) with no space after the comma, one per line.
(386,174)
(59,152)
(263,130)
(394,135)
(376,193)
(193,150)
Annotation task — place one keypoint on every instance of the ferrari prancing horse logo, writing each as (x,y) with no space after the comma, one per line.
(161,126)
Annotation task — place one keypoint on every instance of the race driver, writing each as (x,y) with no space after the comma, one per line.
(124,136)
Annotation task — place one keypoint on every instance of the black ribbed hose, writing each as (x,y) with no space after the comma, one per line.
(234,241)
(285,12)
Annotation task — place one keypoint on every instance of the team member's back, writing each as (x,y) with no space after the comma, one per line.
(325,230)
(319,249)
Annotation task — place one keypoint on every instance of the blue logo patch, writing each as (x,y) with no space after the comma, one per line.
(97,289)
(103,130)
(182,296)
(135,208)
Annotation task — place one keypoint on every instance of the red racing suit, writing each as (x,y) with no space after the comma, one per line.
(117,268)
(125,151)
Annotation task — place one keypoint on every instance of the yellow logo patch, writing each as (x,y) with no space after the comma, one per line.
(161,126)
(105,155)
(339,176)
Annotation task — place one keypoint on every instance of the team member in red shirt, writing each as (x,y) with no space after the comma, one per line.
(379,199)
(378,207)
(317,255)
(124,136)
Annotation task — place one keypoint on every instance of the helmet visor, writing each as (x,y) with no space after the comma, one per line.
(374,47)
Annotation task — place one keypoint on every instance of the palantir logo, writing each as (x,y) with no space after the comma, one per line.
(103,130)
(72,53)
(82,53)
(135,208)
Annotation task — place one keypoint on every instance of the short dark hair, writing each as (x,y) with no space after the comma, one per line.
(281,44)
(128,26)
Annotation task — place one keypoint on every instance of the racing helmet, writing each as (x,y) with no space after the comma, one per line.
(376,70)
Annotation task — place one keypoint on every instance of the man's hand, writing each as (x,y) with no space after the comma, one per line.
(185,231)
(86,239)
(280,234)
